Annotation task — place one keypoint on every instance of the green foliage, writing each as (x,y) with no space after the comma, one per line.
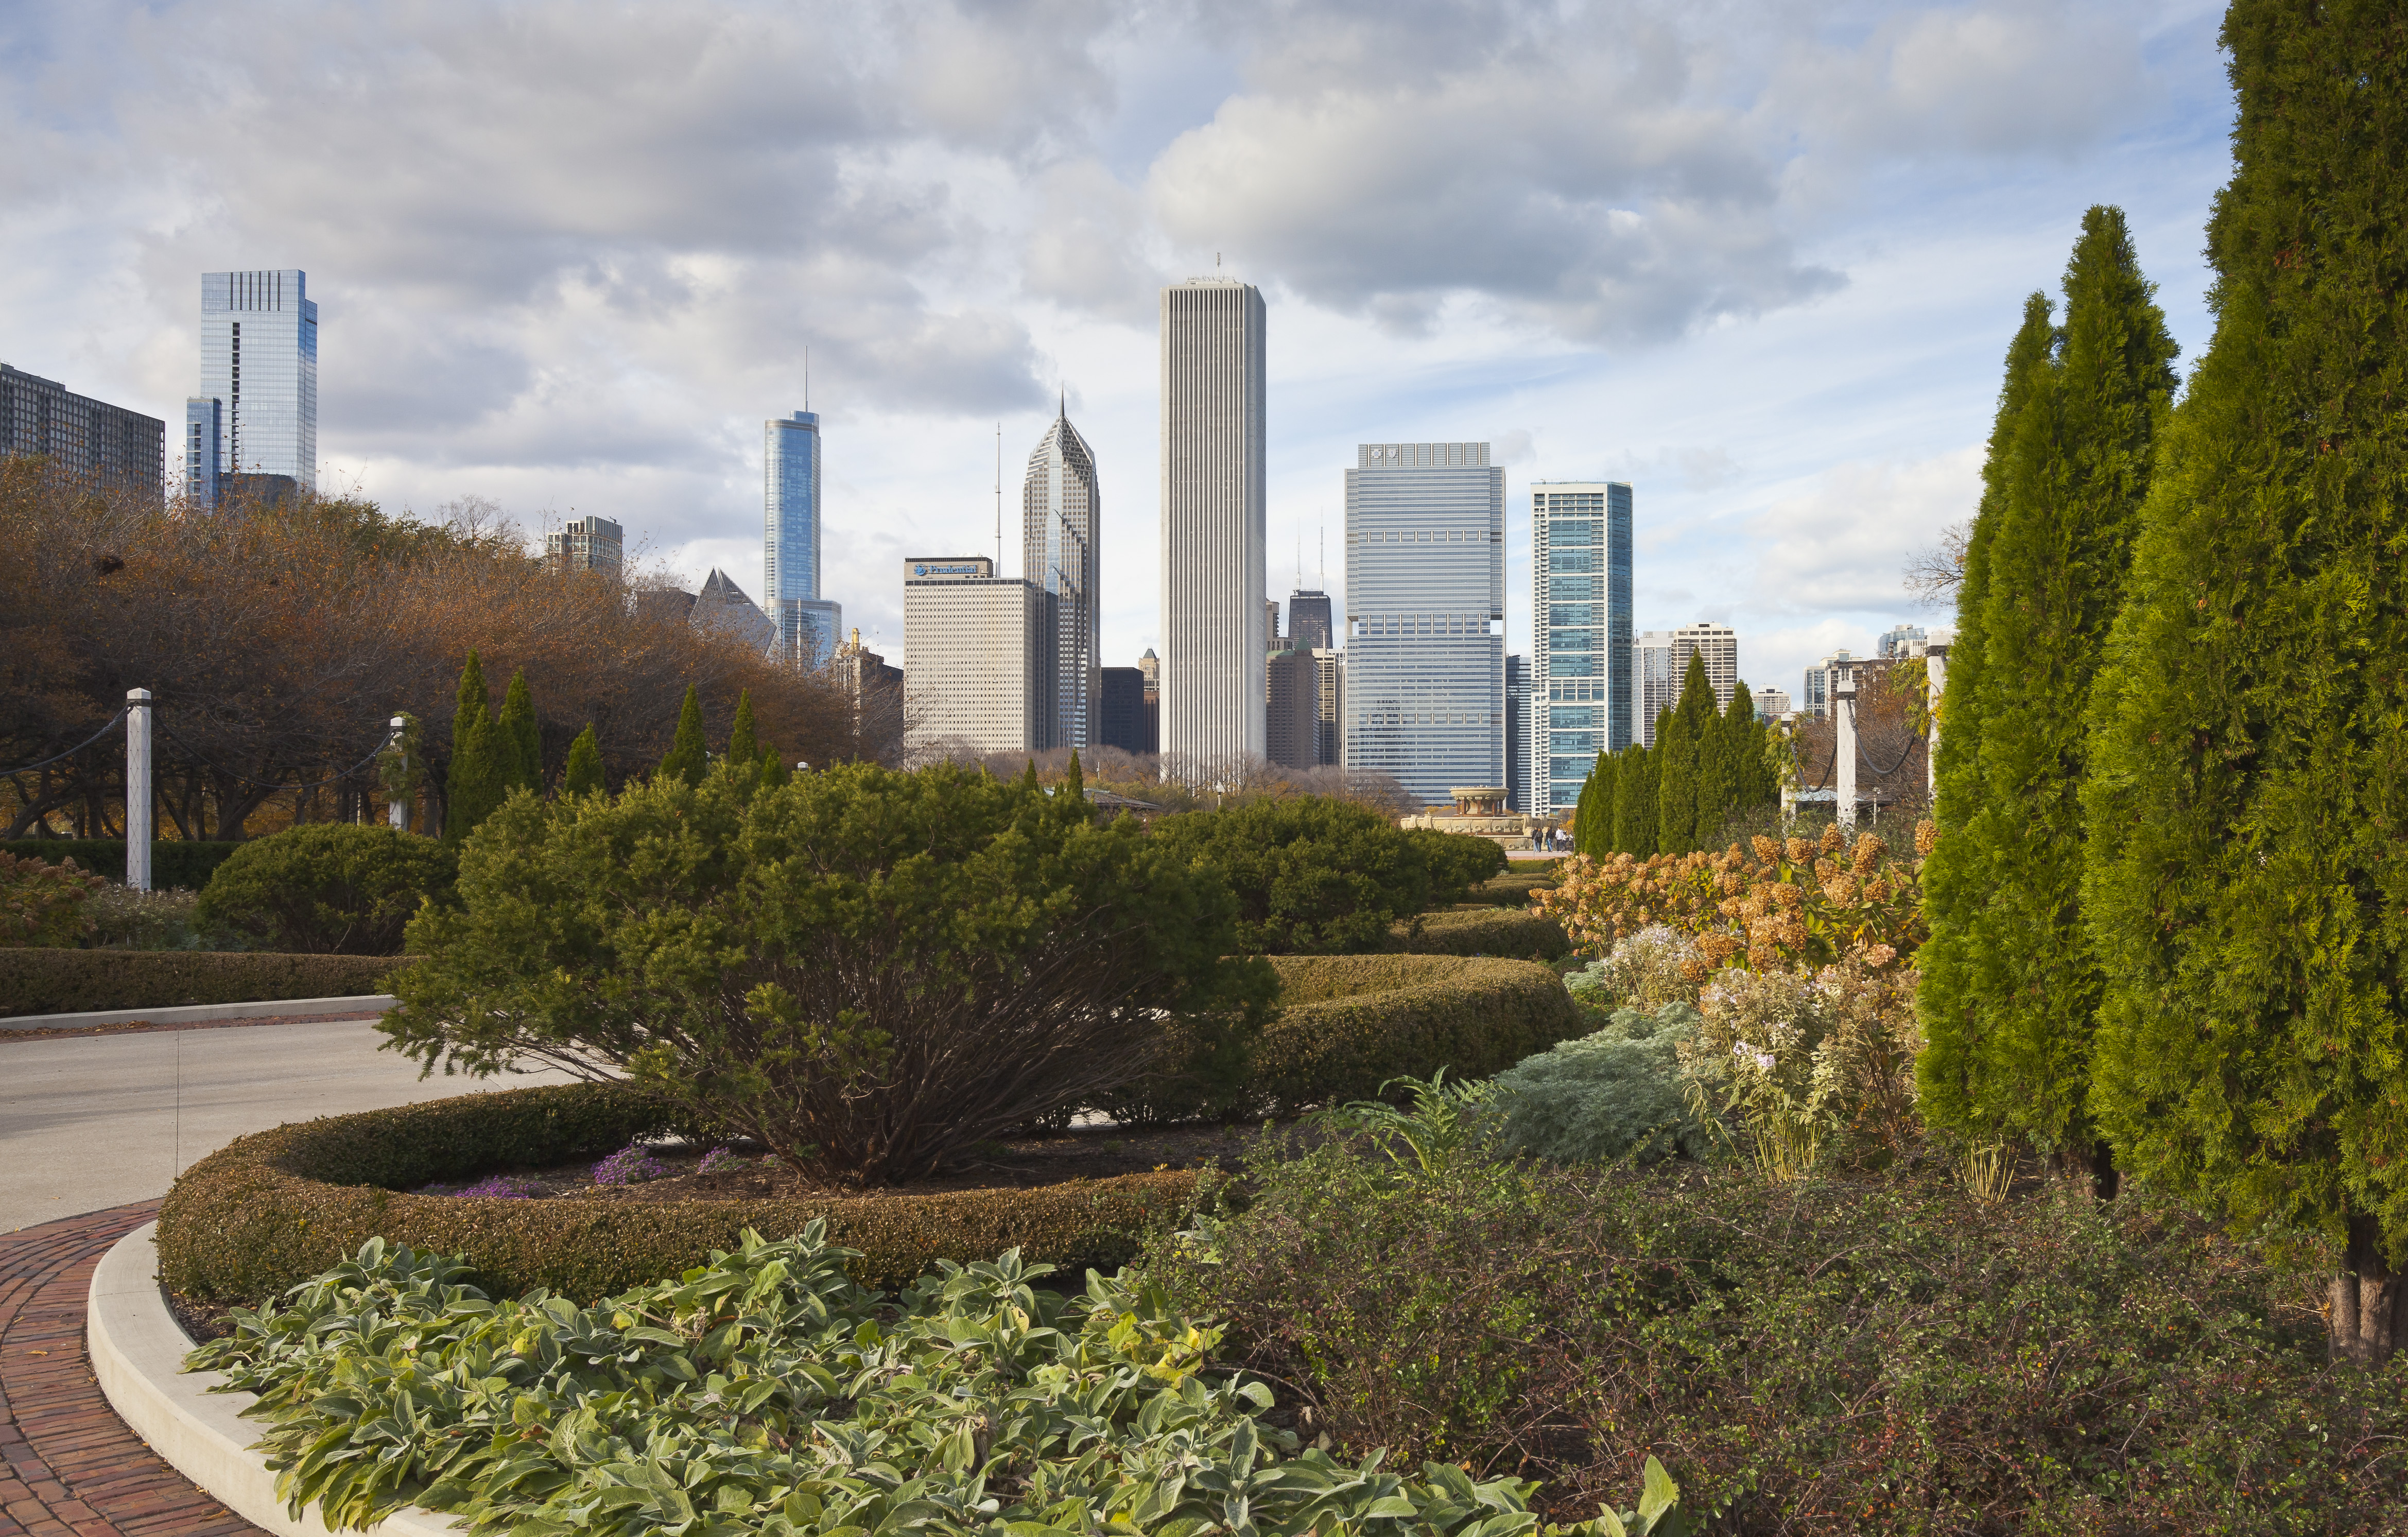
(268,1211)
(1614,1094)
(764,1393)
(1593,815)
(1692,787)
(1840,1355)
(1440,1126)
(477,783)
(1311,875)
(327,888)
(124,918)
(584,774)
(1482,931)
(1635,785)
(42,903)
(743,739)
(1745,744)
(2016,1002)
(69,982)
(1457,862)
(518,740)
(175,863)
(687,756)
(1954,880)
(866,970)
(2249,768)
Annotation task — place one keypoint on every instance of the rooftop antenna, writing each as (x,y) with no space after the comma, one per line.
(807,375)
(1322,580)
(998,499)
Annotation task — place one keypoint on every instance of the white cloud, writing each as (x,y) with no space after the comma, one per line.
(1840,544)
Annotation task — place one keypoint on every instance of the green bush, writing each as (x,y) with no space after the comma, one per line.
(269,1210)
(327,888)
(1482,931)
(1601,1097)
(60,982)
(1100,1411)
(1513,887)
(1347,1025)
(864,970)
(1312,875)
(1829,1356)
(174,865)
(1457,862)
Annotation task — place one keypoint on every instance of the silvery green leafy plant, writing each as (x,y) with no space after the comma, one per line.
(766,1393)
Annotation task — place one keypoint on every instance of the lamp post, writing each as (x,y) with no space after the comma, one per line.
(1844,744)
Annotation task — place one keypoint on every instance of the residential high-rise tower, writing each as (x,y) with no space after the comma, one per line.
(84,438)
(1581,695)
(1425,686)
(259,363)
(1061,511)
(807,626)
(1212,498)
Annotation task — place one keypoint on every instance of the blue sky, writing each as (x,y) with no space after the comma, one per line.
(1762,260)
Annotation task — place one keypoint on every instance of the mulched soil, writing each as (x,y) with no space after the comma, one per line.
(1084,1153)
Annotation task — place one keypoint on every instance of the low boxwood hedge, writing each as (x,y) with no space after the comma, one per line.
(1513,887)
(270,1209)
(64,981)
(1482,931)
(1348,1024)
(178,864)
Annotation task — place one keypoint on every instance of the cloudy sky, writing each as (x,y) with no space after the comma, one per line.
(1759,259)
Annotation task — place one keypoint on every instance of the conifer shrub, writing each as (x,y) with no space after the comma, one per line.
(1312,875)
(1614,1093)
(327,888)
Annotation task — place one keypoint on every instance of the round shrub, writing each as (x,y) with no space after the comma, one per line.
(1607,1094)
(327,889)
(1457,862)
(1311,875)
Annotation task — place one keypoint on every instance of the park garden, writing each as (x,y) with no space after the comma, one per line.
(952,1155)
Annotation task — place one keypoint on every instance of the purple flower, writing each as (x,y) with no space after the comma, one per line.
(631,1165)
(721,1161)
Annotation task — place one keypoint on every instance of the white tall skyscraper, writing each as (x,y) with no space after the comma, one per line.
(259,363)
(1660,659)
(1213,584)
(1426,616)
(1581,697)
(1061,511)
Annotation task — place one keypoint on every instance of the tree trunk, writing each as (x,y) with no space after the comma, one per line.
(2369,1301)
(2094,1165)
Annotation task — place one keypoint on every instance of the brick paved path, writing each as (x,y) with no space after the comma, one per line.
(67,1464)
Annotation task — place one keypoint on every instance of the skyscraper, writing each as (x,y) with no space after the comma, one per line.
(1213,676)
(259,363)
(1293,715)
(1518,784)
(1426,616)
(1061,511)
(204,442)
(1654,686)
(1901,640)
(1661,661)
(587,544)
(1308,620)
(1581,694)
(977,657)
(82,438)
(806,626)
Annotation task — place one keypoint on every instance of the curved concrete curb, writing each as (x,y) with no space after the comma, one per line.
(201,1014)
(137,1354)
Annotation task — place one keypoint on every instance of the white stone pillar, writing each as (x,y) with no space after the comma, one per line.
(398,810)
(1935,667)
(137,789)
(1844,741)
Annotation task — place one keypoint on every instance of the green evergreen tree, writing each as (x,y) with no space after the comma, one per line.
(1954,876)
(2077,473)
(1593,823)
(687,756)
(517,744)
(2248,789)
(774,771)
(474,786)
(584,774)
(1689,790)
(1739,754)
(1634,796)
(743,741)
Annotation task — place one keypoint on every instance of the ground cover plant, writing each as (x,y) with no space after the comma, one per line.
(764,1393)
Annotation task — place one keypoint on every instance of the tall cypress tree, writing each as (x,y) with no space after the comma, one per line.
(687,756)
(2248,792)
(1634,796)
(1689,785)
(1739,749)
(743,740)
(1592,817)
(582,774)
(1955,878)
(474,786)
(517,744)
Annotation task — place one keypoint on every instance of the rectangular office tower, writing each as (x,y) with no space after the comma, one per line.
(1060,511)
(1425,683)
(1581,686)
(978,672)
(259,363)
(84,438)
(807,626)
(1212,496)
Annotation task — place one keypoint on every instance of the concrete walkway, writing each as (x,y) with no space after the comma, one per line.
(92,1122)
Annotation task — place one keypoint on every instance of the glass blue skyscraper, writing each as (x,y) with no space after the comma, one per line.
(1580,668)
(259,363)
(806,626)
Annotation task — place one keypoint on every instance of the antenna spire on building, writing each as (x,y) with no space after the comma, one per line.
(998,499)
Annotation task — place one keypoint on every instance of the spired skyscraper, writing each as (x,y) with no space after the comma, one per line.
(1425,678)
(807,627)
(1212,498)
(256,412)
(1061,511)
(1582,691)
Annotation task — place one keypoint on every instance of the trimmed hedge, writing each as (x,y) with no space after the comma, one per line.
(1482,931)
(176,863)
(1350,1023)
(61,982)
(1513,887)
(273,1209)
